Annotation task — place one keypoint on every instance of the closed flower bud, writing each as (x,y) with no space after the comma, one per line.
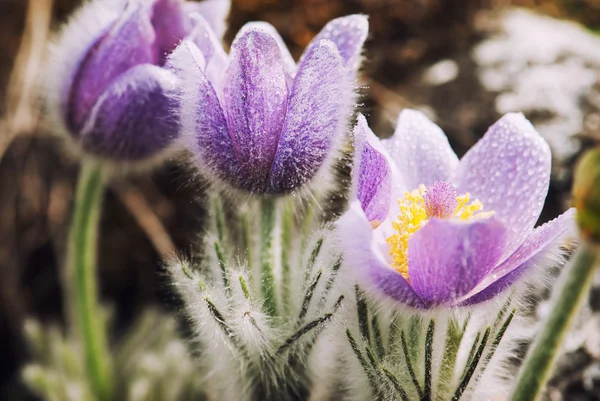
(586,195)
(267,125)
(110,88)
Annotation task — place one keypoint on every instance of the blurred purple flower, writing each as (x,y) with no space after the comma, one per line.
(109,87)
(434,247)
(267,125)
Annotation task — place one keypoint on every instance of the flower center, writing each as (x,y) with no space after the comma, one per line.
(418,206)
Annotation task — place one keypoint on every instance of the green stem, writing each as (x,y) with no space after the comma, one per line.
(538,364)
(287,225)
(82,259)
(267,279)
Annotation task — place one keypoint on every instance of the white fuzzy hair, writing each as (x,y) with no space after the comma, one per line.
(249,351)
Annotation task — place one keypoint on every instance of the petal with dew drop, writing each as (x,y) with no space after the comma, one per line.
(508,170)
(539,241)
(421,150)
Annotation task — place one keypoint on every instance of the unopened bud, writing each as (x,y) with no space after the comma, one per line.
(586,194)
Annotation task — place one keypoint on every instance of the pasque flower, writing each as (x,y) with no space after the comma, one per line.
(429,230)
(268,125)
(109,87)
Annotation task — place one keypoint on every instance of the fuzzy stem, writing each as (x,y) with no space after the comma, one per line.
(82,259)
(538,364)
(247,240)
(454,336)
(219,219)
(267,279)
(287,225)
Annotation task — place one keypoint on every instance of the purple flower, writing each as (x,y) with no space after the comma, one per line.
(267,125)
(429,230)
(109,86)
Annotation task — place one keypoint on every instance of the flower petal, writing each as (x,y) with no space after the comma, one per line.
(171,25)
(508,170)
(362,255)
(255,98)
(288,60)
(513,268)
(500,285)
(317,114)
(213,11)
(128,43)
(135,117)
(203,122)
(214,55)
(540,238)
(372,174)
(349,34)
(447,259)
(420,150)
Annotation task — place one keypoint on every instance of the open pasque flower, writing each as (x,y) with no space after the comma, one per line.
(109,88)
(429,230)
(267,125)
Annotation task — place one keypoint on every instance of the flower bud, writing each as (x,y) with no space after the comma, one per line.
(266,125)
(586,194)
(111,89)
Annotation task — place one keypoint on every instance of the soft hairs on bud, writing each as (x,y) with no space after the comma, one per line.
(109,87)
(268,126)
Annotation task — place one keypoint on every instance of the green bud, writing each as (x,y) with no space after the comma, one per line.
(586,194)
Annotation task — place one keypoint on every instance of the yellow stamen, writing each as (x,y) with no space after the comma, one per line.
(413,216)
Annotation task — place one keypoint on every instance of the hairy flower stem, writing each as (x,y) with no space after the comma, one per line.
(538,364)
(82,260)
(267,278)
(287,226)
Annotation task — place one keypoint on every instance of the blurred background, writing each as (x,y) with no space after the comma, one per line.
(464,63)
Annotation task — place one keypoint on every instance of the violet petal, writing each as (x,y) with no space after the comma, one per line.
(508,170)
(135,117)
(372,174)
(500,285)
(421,150)
(362,256)
(203,122)
(171,25)
(213,11)
(348,33)
(538,239)
(216,60)
(129,43)
(447,259)
(288,60)
(536,242)
(255,98)
(318,110)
